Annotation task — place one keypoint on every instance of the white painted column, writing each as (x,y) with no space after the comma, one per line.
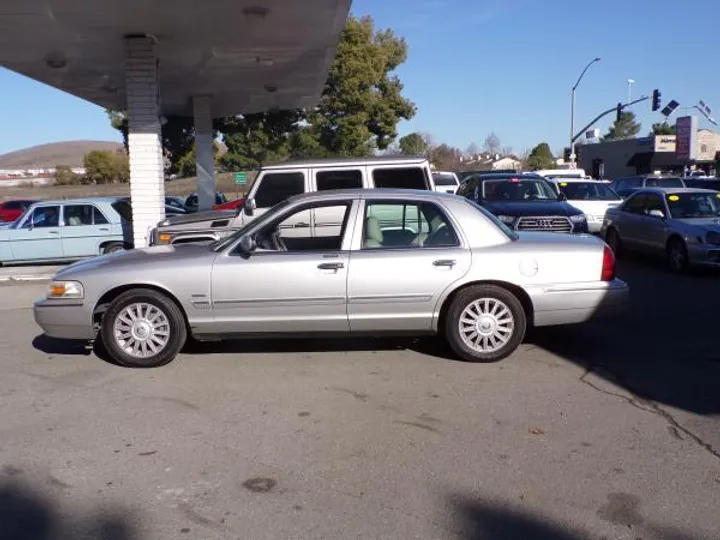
(204,155)
(147,177)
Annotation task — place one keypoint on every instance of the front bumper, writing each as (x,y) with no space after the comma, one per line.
(64,320)
(579,302)
(704,255)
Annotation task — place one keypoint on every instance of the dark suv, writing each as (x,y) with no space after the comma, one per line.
(524,202)
(628,185)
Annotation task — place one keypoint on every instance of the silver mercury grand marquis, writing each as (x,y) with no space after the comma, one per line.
(389,262)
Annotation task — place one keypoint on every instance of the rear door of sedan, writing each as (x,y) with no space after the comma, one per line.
(406,252)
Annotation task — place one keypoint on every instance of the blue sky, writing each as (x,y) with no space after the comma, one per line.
(475,67)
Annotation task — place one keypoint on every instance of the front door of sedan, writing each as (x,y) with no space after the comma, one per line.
(409,254)
(630,219)
(651,230)
(38,237)
(291,286)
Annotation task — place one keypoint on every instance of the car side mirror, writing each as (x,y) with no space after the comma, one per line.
(247,244)
(656,214)
(249,206)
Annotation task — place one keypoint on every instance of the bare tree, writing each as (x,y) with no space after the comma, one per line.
(506,151)
(492,144)
(472,150)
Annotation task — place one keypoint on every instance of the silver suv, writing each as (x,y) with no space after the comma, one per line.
(276,183)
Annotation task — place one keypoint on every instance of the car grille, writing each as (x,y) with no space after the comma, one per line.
(544,223)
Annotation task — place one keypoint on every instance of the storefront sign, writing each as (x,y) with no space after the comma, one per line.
(686,146)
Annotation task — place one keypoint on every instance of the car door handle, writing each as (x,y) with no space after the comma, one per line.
(301,225)
(53,232)
(105,229)
(445,262)
(331,266)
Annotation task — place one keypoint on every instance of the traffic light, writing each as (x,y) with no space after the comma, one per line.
(656,100)
(618,114)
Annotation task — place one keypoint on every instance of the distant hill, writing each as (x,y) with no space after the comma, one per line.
(68,153)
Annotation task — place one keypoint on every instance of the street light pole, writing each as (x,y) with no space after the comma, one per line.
(572,110)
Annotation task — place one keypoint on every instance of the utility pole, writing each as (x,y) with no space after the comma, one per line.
(572,110)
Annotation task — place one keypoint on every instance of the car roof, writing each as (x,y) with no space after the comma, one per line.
(501,176)
(331,162)
(570,179)
(84,200)
(671,191)
(373,193)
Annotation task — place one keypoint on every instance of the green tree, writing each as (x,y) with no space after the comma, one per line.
(446,158)
(540,158)
(362,101)
(663,128)
(64,176)
(255,139)
(624,127)
(106,167)
(413,144)
(187,165)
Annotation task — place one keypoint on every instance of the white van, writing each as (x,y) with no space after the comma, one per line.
(590,196)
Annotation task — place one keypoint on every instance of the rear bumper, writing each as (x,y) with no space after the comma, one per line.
(579,302)
(63,320)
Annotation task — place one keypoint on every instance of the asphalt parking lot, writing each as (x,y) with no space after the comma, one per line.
(605,430)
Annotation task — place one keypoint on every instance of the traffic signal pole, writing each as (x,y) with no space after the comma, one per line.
(618,108)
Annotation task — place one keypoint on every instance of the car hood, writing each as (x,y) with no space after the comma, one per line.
(531,208)
(198,217)
(156,256)
(710,224)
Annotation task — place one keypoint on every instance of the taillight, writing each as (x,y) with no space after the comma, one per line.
(608,265)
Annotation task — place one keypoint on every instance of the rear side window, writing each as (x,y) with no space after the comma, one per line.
(348,179)
(277,187)
(400,178)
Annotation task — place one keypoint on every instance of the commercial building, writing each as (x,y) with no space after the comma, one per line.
(154,58)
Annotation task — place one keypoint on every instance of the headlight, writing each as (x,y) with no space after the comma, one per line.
(506,219)
(713,237)
(579,218)
(66,289)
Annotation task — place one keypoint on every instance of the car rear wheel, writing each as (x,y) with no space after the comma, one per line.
(677,256)
(143,328)
(113,248)
(485,323)
(612,238)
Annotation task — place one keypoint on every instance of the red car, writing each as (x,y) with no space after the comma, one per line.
(230,205)
(11,210)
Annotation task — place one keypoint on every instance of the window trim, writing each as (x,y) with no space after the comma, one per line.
(429,183)
(346,235)
(359,168)
(29,214)
(360,227)
(92,214)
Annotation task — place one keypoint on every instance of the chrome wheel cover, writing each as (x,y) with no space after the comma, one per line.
(141,330)
(486,325)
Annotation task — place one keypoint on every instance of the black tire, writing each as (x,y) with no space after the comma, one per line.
(113,247)
(612,239)
(492,293)
(176,329)
(677,256)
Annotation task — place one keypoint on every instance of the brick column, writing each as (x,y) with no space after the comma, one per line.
(147,178)
(204,155)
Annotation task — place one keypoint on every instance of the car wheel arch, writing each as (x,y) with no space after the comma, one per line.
(517,290)
(109,296)
(674,238)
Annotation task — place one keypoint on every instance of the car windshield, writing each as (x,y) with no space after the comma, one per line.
(518,189)
(228,240)
(694,205)
(512,235)
(444,180)
(664,182)
(587,191)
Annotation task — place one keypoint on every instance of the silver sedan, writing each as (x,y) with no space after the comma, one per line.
(680,224)
(378,261)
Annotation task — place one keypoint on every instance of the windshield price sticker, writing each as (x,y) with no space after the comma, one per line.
(563,184)
(673,198)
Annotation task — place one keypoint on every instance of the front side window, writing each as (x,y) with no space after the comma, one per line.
(517,189)
(277,187)
(43,217)
(348,179)
(406,225)
(277,235)
(400,178)
(654,202)
(636,204)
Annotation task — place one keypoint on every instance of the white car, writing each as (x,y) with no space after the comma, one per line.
(592,197)
(446,182)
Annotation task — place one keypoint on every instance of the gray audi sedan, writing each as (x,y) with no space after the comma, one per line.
(680,224)
(365,262)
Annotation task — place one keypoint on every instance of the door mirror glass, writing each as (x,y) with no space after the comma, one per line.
(247,244)
(249,206)
(656,213)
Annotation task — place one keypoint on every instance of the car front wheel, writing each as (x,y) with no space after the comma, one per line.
(143,328)
(677,256)
(485,323)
